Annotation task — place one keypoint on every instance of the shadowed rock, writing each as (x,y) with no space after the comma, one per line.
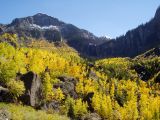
(67,85)
(4,95)
(33,86)
(88,99)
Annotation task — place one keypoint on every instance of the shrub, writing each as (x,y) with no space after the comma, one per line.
(16,88)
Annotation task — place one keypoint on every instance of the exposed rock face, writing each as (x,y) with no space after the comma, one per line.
(92,116)
(67,85)
(4,95)
(39,26)
(33,86)
(38,19)
(4,114)
(54,105)
(93,75)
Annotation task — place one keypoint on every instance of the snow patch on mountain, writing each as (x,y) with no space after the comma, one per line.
(108,37)
(44,27)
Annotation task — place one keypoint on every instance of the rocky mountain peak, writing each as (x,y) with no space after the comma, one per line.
(45,20)
(37,19)
(41,14)
(157,15)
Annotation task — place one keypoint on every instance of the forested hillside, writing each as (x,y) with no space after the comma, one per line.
(52,77)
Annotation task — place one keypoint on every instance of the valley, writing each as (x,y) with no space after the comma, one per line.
(51,70)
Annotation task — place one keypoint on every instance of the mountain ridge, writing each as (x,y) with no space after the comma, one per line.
(133,43)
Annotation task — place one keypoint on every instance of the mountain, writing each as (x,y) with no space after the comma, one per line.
(42,26)
(133,43)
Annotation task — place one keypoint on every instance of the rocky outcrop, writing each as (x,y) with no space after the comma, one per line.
(4,114)
(53,105)
(92,75)
(92,116)
(38,19)
(67,85)
(4,95)
(33,89)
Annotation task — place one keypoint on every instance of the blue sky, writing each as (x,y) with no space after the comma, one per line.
(101,17)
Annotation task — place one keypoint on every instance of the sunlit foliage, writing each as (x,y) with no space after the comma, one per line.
(120,93)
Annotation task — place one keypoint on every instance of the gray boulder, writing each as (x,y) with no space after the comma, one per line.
(4,114)
(93,75)
(54,105)
(67,85)
(92,116)
(33,86)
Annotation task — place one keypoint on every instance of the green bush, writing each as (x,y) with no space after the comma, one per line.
(16,88)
